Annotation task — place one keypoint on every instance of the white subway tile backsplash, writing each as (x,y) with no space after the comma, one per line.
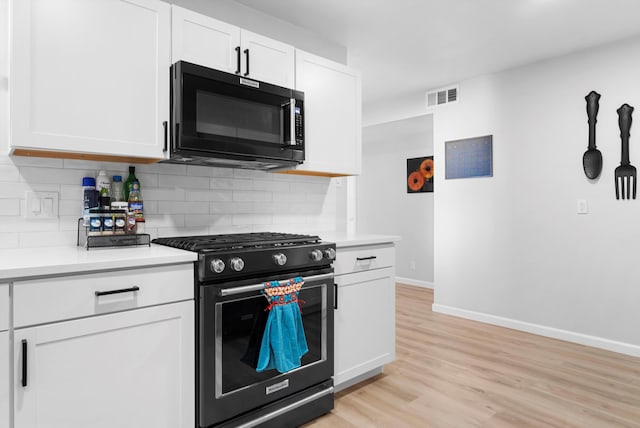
(271,186)
(32,175)
(9,173)
(210,195)
(252,196)
(151,207)
(161,168)
(10,207)
(183,181)
(208,220)
(231,184)
(252,219)
(163,193)
(69,207)
(178,200)
(289,197)
(250,174)
(47,239)
(164,220)
(40,162)
(179,207)
(91,168)
(9,240)
(204,171)
(146,180)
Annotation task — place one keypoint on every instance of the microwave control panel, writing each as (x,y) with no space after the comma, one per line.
(299,125)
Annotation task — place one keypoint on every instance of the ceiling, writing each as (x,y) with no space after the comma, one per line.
(408,46)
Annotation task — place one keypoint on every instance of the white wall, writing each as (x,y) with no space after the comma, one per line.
(178,199)
(511,249)
(384,206)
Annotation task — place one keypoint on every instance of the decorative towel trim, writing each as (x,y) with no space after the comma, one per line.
(282,292)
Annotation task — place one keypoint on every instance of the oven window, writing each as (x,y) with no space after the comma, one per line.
(226,116)
(241,329)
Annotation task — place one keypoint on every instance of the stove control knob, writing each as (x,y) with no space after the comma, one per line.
(316,255)
(237,264)
(217,265)
(280,259)
(330,253)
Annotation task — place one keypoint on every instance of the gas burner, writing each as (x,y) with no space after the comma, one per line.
(236,241)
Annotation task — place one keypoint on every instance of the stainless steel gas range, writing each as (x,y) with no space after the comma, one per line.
(231,314)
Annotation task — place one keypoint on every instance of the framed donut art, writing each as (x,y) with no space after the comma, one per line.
(420,175)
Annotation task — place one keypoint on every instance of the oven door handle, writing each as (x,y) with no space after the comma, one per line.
(279,412)
(223,292)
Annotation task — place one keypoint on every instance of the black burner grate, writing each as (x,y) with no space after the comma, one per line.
(235,240)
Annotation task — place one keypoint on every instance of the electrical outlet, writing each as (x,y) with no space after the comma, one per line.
(582,206)
(412,265)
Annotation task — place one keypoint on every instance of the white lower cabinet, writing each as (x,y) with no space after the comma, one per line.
(365,316)
(127,369)
(5,385)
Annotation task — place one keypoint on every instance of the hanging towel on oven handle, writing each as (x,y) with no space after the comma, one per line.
(283,341)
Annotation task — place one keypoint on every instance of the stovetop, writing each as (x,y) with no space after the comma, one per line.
(231,241)
(247,255)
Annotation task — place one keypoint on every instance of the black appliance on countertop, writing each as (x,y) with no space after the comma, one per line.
(230,311)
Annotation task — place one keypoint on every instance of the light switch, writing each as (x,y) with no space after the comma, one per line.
(41,205)
(47,206)
(34,204)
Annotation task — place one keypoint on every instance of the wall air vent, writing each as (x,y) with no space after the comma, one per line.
(442,96)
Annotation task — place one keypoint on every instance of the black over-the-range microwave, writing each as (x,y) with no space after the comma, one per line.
(223,119)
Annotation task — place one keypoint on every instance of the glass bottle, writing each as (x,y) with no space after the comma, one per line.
(117,190)
(130,179)
(136,206)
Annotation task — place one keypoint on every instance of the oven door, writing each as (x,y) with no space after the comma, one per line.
(222,115)
(232,317)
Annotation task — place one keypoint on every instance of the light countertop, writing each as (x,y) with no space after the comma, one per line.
(24,263)
(354,240)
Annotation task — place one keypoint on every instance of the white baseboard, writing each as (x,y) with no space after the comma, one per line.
(416,282)
(541,330)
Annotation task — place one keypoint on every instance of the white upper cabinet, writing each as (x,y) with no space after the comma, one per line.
(268,60)
(333,115)
(205,41)
(90,78)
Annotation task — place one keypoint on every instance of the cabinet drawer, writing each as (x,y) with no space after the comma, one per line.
(60,298)
(358,259)
(4,307)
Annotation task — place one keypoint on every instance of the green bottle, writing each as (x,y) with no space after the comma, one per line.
(130,179)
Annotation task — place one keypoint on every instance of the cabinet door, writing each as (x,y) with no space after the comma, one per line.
(127,369)
(268,60)
(5,385)
(364,323)
(205,41)
(90,77)
(333,115)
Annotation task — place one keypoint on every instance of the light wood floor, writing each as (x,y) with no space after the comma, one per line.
(451,372)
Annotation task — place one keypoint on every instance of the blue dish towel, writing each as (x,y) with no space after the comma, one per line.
(283,341)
